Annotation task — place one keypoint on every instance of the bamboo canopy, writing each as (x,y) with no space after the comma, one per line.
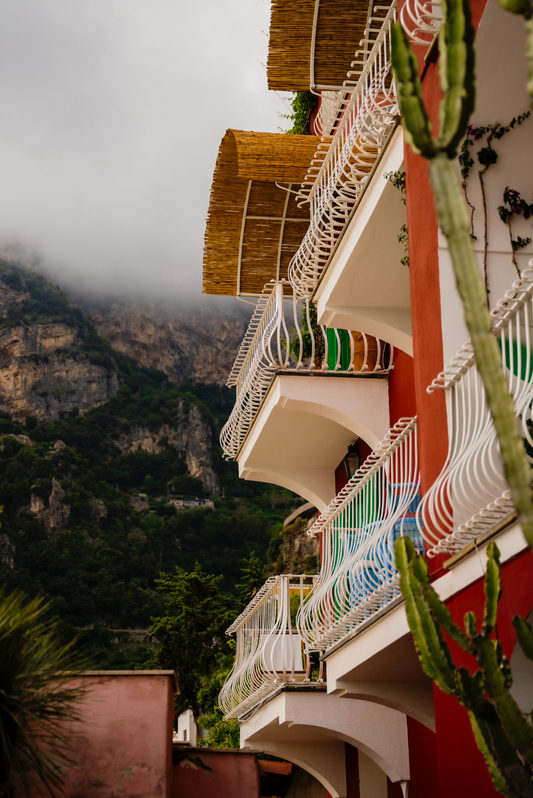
(340,28)
(253,226)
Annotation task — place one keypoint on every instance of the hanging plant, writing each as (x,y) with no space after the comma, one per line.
(303,104)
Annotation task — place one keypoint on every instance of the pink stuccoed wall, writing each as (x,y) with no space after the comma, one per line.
(124,747)
(215,773)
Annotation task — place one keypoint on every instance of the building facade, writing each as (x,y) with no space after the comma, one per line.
(357,388)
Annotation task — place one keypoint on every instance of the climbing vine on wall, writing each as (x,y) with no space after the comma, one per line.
(487,156)
(398,181)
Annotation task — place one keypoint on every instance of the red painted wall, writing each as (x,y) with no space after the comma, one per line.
(123,747)
(426,317)
(422,761)
(425,290)
(394,790)
(340,477)
(469,778)
(402,395)
(215,773)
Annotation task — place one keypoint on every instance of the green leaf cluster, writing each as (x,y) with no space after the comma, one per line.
(303,104)
(37,694)
(191,634)
(192,641)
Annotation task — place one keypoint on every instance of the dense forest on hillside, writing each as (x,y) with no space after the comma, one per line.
(119,530)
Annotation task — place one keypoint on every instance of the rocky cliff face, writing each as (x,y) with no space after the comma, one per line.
(55,513)
(42,374)
(188,346)
(52,362)
(191,437)
(298,552)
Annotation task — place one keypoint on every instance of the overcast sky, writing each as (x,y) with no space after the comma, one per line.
(111,114)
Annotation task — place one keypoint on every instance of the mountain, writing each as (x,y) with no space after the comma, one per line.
(51,359)
(111,473)
(189,346)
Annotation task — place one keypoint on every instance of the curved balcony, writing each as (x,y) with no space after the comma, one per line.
(358,577)
(270,653)
(283,337)
(344,163)
(471,496)
(421,21)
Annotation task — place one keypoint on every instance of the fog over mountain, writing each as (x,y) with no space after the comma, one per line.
(112,114)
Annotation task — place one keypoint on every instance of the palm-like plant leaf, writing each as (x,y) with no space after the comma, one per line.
(37,694)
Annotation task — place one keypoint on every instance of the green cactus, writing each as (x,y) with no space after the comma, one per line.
(503,734)
(456,61)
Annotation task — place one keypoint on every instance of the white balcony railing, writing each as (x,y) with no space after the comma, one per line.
(270,653)
(344,162)
(421,21)
(283,336)
(471,496)
(359,528)
(330,112)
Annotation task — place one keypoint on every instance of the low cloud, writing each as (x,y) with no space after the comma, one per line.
(112,114)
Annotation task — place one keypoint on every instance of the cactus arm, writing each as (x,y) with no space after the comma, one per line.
(508,772)
(416,123)
(493,588)
(483,741)
(503,664)
(502,733)
(470,624)
(440,611)
(432,650)
(453,219)
(504,766)
(443,617)
(488,733)
(456,66)
(524,634)
(516,727)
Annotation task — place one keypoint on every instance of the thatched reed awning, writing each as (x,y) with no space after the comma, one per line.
(253,226)
(299,59)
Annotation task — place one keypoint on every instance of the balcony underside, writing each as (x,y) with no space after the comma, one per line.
(380,664)
(305,426)
(369,256)
(310,729)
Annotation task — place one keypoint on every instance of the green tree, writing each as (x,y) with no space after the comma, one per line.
(35,697)
(220,733)
(191,634)
(253,578)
